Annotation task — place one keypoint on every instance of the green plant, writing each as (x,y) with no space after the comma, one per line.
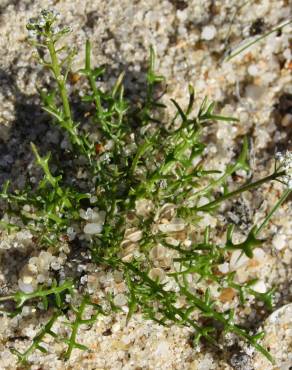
(139,165)
(238,50)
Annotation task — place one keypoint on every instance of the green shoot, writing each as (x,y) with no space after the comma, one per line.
(254,41)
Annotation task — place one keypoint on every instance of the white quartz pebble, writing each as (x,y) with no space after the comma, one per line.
(157,274)
(208,33)
(238,259)
(26,288)
(279,241)
(174,226)
(260,286)
(92,228)
(120,300)
(224,268)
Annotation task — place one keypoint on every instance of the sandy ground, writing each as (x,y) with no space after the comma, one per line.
(191,39)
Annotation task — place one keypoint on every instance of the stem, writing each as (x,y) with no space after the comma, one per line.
(47,329)
(205,308)
(43,162)
(75,326)
(239,164)
(140,152)
(164,294)
(65,118)
(96,94)
(246,46)
(207,207)
(91,77)
(7,298)
(217,182)
(56,68)
(273,210)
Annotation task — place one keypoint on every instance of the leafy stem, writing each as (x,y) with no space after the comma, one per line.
(240,49)
(20,298)
(79,312)
(239,164)
(36,343)
(282,199)
(56,69)
(254,185)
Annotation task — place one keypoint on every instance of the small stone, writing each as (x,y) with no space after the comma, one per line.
(227,295)
(253,70)
(202,201)
(92,228)
(241,361)
(172,241)
(143,207)
(55,265)
(118,276)
(41,278)
(81,268)
(83,279)
(157,274)
(32,267)
(120,300)
(259,254)
(287,256)
(127,339)
(187,243)
(260,286)
(279,241)
(116,327)
(44,260)
(26,310)
(26,288)
(71,233)
(167,211)
(238,259)
(128,252)
(174,226)
(24,236)
(287,54)
(93,215)
(26,208)
(287,120)
(158,252)
(27,279)
(224,268)
(133,235)
(209,32)
(128,258)
(254,92)
(93,199)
